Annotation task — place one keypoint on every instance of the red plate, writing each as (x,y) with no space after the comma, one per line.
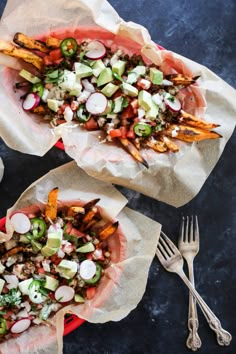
(71,322)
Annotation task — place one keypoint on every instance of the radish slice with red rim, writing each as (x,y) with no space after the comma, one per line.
(31,101)
(21,223)
(21,325)
(95,50)
(87,269)
(172,103)
(64,293)
(96,103)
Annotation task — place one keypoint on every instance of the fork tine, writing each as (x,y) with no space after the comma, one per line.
(181,232)
(196,229)
(163,251)
(168,243)
(191,229)
(160,256)
(186,229)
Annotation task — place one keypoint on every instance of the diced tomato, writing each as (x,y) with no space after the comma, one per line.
(90,292)
(153,124)
(41,270)
(144,84)
(8,314)
(62,108)
(134,104)
(8,324)
(55,259)
(60,121)
(115,133)
(91,124)
(51,295)
(128,112)
(74,105)
(76,232)
(118,93)
(130,134)
(89,256)
(55,54)
(123,132)
(47,60)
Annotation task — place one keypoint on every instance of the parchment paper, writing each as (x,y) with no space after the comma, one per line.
(124,281)
(171,178)
(1,169)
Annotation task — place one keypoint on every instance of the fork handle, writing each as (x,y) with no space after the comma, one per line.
(193,341)
(223,337)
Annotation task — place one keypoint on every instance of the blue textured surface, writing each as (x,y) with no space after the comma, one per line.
(204,31)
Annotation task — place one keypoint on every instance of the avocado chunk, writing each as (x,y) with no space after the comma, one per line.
(145,100)
(54,240)
(98,67)
(88,247)
(54,104)
(118,101)
(156,76)
(109,107)
(129,90)
(135,74)
(67,269)
(104,77)
(48,251)
(119,67)
(109,89)
(29,77)
(78,298)
(51,283)
(2,283)
(82,70)
(152,113)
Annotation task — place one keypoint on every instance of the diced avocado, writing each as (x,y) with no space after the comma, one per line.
(132,78)
(129,90)
(78,298)
(156,76)
(67,269)
(2,268)
(51,283)
(98,67)
(54,240)
(54,104)
(2,282)
(140,70)
(109,89)
(82,70)
(76,90)
(119,67)
(29,77)
(118,104)
(152,113)
(24,286)
(48,251)
(109,107)
(145,100)
(104,77)
(88,247)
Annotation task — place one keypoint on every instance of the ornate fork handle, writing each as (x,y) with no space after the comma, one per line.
(193,341)
(223,337)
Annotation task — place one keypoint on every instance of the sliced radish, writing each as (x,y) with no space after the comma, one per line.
(172,103)
(95,50)
(64,293)
(21,325)
(31,101)
(96,103)
(21,223)
(87,269)
(88,86)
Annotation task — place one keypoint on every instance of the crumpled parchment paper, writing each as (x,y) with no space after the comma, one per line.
(172,178)
(124,281)
(1,169)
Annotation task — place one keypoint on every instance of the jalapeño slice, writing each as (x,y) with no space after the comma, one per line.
(69,47)
(3,325)
(38,88)
(142,129)
(97,275)
(38,228)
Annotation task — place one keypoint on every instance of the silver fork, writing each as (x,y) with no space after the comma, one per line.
(189,246)
(171,259)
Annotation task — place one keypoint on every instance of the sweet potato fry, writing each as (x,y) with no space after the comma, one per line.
(193,121)
(108,230)
(158,146)
(90,204)
(133,151)
(27,42)
(40,110)
(90,215)
(190,134)
(20,53)
(52,42)
(51,207)
(170,144)
(180,79)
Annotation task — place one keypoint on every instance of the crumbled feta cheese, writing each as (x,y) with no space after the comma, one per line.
(11,260)
(174,132)
(45,95)
(22,314)
(2,268)
(167,83)
(146,84)
(141,113)
(46,265)
(12,281)
(157,98)
(83,96)
(60,253)
(10,244)
(68,114)
(97,254)
(88,86)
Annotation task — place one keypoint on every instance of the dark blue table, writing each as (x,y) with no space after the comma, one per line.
(204,31)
